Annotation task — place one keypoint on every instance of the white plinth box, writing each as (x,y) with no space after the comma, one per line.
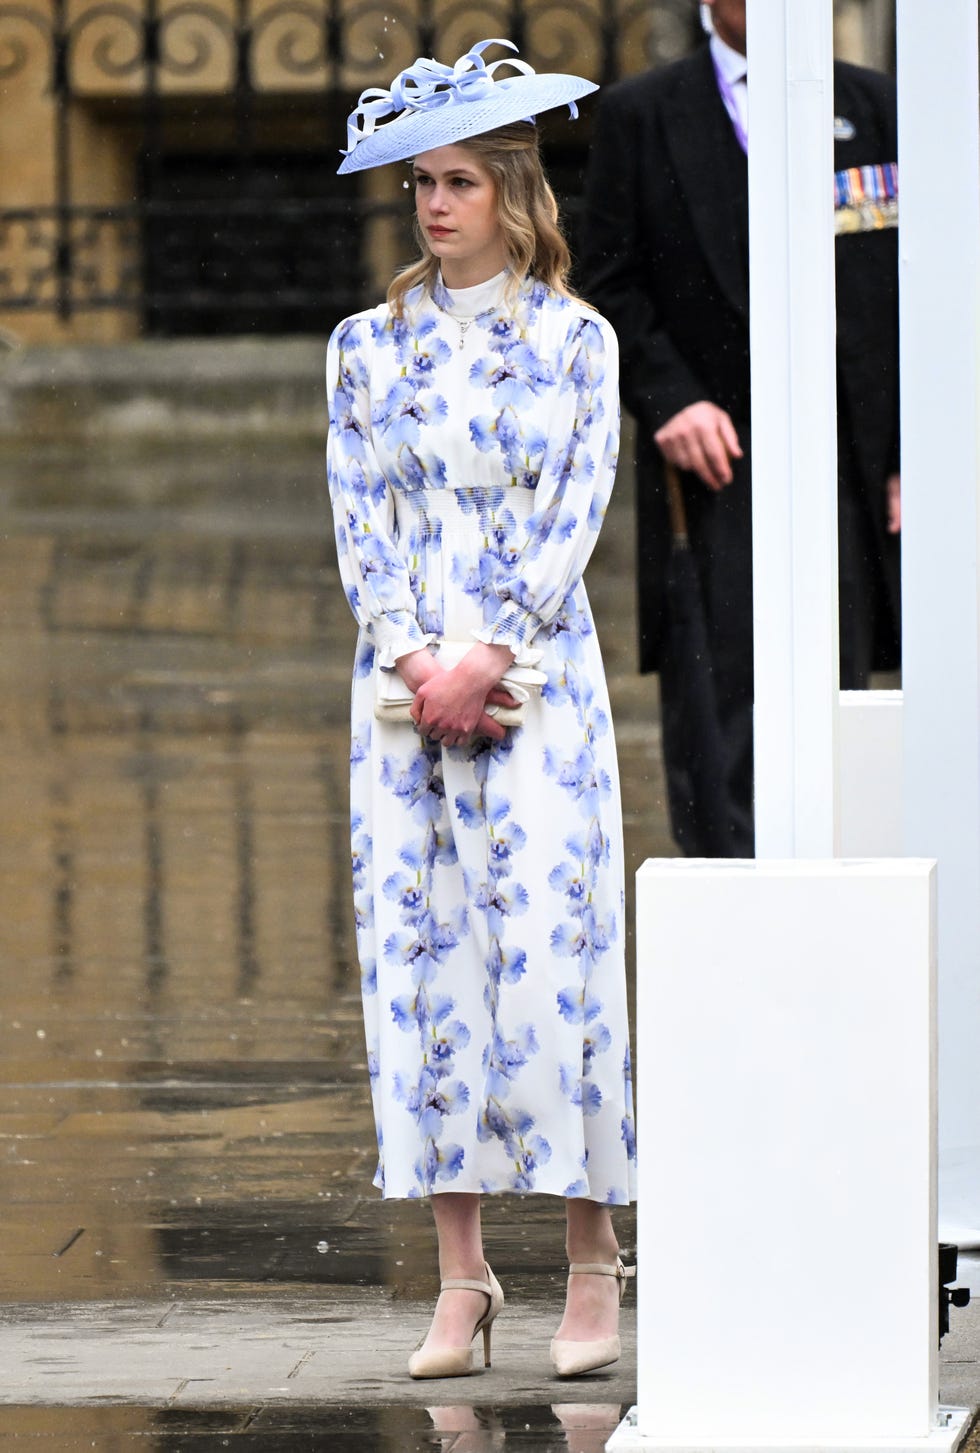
(786,1122)
(870,764)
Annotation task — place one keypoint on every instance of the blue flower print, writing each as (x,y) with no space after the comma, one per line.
(512,1127)
(505,841)
(522,448)
(429,1102)
(586,937)
(403,412)
(408,892)
(577,1006)
(483,432)
(390,330)
(628,1125)
(582,776)
(596,1042)
(378,568)
(439,1163)
(500,901)
(498,1124)
(418,784)
(592,844)
(514,377)
(419,471)
(451,1037)
(471,576)
(423,361)
(480,501)
(353,433)
(475,810)
(360,850)
(533,1154)
(423,853)
(571,880)
(425,1010)
(569,632)
(424,946)
(579,1091)
(431,1099)
(471,809)
(506,965)
(364,659)
(504,1058)
(552,525)
(502,332)
(629,1136)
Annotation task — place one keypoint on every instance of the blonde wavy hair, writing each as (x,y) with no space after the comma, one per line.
(527,210)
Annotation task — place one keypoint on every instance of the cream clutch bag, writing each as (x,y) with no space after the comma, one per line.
(392,697)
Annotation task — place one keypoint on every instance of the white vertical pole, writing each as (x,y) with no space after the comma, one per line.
(939,242)
(794,430)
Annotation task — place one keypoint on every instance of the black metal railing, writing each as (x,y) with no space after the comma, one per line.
(182,153)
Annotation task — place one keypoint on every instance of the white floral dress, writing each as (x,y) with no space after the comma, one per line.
(471,453)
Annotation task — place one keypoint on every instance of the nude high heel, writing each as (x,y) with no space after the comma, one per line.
(570,1359)
(458,1361)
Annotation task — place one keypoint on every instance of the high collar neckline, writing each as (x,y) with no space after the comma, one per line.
(470,302)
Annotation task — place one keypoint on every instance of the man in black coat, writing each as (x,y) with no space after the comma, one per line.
(664,253)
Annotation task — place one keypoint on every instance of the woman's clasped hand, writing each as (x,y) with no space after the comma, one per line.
(450,706)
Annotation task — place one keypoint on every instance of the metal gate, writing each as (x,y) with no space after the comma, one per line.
(176,159)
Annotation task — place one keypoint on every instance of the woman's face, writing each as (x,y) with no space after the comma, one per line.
(456,203)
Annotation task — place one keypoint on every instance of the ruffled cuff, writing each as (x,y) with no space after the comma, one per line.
(395,634)
(516,628)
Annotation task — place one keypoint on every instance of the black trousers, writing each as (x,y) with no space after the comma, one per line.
(720,532)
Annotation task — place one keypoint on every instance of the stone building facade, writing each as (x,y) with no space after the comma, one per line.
(169,165)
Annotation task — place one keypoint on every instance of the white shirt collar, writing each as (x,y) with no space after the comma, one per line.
(729,61)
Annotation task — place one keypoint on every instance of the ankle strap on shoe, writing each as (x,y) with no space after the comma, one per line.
(460,1284)
(598,1268)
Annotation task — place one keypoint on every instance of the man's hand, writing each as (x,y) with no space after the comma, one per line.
(893,504)
(702,439)
(450,706)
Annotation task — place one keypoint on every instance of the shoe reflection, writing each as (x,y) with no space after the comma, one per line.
(587,1426)
(576,1427)
(461,1419)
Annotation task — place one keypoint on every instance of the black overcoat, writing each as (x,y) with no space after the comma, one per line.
(664,255)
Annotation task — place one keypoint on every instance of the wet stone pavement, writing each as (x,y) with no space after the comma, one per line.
(192,1255)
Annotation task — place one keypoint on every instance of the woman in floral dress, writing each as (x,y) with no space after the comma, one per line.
(472,450)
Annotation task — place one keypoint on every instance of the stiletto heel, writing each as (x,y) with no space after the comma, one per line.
(571,1359)
(458,1361)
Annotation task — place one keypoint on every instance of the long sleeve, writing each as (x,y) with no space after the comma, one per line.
(574,484)
(375,577)
(615,261)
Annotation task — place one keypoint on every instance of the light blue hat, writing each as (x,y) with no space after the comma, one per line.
(435,105)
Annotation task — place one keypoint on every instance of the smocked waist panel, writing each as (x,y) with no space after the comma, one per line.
(466,509)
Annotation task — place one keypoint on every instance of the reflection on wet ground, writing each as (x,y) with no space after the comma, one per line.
(569,1427)
(183,1099)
